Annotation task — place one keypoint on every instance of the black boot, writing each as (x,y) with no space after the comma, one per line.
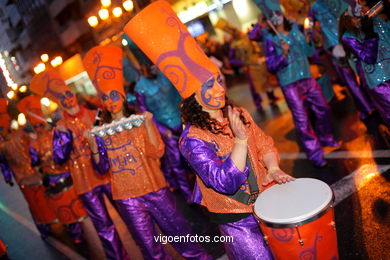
(271,97)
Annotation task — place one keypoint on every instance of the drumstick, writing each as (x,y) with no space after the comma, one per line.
(274,29)
(40,118)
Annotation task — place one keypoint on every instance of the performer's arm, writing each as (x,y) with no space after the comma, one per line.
(100,160)
(156,147)
(366,51)
(62,146)
(275,62)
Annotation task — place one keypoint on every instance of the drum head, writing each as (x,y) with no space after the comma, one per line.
(293,202)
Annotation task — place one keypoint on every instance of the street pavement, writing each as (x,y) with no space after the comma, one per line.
(358,174)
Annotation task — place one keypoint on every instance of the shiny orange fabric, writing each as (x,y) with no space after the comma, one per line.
(67,206)
(43,145)
(135,163)
(319,240)
(38,203)
(16,151)
(49,84)
(104,67)
(31,104)
(159,33)
(84,177)
(259,144)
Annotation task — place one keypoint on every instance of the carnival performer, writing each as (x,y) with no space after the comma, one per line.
(60,192)
(287,55)
(72,148)
(15,163)
(133,158)
(368,39)
(155,93)
(231,161)
(327,13)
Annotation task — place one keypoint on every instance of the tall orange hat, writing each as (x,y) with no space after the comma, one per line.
(159,33)
(49,84)
(105,69)
(31,107)
(4,117)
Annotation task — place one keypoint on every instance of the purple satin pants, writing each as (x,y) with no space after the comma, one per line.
(248,242)
(174,167)
(381,97)
(255,96)
(307,94)
(96,208)
(360,96)
(140,215)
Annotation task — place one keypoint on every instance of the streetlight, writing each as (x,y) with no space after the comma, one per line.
(93,21)
(104,14)
(39,68)
(11,94)
(44,57)
(23,89)
(128,5)
(45,101)
(117,11)
(22,119)
(105,3)
(56,61)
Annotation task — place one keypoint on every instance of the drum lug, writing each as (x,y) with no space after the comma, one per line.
(333,224)
(299,237)
(266,240)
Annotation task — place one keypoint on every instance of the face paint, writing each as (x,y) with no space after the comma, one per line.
(68,100)
(277,18)
(114,102)
(212,93)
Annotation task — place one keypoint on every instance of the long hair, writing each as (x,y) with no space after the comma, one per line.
(287,25)
(191,112)
(127,111)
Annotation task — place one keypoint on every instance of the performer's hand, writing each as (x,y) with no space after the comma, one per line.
(278,176)
(148,115)
(236,124)
(285,48)
(91,140)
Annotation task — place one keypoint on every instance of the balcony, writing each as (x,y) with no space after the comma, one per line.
(57,6)
(73,32)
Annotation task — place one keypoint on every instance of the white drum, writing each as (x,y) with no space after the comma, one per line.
(297,220)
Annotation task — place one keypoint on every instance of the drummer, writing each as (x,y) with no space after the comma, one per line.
(231,155)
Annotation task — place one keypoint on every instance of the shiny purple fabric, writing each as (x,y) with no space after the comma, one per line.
(381,97)
(44,230)
(255,96)
(366,51)
(5,169)
(53,179)
(174,164)
(93,202)
(104,163)
(75,231)
(248,242)
(141,213)
(360,97)
(222,176)
(62,146)
(256,33)
(34,156)
(300,95)
(274,62)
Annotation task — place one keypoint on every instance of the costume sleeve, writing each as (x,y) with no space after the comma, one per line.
(152,150)
(222,176)
(256,34)
(104,163)
(5,169)
(62,146)
(275,62)
(34,156)
(366,51)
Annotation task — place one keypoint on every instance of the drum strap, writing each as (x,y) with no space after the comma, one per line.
(244,197)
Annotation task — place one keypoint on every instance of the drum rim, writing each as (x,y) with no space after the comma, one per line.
(318,215)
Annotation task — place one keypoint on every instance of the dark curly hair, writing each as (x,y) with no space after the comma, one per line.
(191,112)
